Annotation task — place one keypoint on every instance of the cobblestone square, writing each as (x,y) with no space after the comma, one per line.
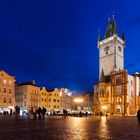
(73,128)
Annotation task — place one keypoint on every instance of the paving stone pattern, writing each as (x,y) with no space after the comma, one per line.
(73,128)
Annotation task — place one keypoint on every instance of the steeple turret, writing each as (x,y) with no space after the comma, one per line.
(111,28)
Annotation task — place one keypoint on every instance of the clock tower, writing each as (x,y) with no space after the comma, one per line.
(111,50)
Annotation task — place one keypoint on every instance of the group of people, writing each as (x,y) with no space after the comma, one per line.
(65,114)
(40,112)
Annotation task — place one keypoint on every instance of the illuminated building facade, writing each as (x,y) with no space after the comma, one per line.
(54,100)
(27,95)
(7,92)
(43,97)
(117,92)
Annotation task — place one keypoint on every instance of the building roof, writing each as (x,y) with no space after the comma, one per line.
(32,83)
(111,28)
(102,77)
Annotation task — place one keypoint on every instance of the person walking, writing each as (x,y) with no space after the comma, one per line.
(43,113)
(138,116)
(39,113)
(11,113)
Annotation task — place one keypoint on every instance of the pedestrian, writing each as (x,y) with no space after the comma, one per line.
(64,112)
(86,113)
(80,114)
(34,112)
(17,111)
(39,113)
(138,116)
(11,113)
(43,113)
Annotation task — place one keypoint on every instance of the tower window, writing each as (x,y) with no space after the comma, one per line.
(120,49)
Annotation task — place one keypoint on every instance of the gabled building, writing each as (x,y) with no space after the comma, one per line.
(27,95)
(7,92)
(43,97)
(117,92)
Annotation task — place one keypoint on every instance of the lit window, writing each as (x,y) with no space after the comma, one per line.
(10,91)
(4,100)
(4,90)
(10,83)
(4,81)
(10,101)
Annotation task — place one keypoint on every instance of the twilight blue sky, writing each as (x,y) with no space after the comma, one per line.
(55,41)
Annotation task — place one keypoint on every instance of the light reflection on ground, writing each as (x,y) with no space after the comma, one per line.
(103,128)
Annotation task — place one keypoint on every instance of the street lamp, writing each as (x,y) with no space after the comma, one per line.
(78,100)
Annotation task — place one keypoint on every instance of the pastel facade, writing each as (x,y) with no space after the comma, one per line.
(7,92)
(27,95)
(54,100)
(43,97)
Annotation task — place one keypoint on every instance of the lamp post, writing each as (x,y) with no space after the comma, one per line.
(78,101)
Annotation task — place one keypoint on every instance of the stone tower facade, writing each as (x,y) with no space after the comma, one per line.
(111,50)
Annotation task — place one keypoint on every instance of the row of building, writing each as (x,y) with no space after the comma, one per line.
(28,95)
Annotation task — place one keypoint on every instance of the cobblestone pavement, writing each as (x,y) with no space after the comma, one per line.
(73,128)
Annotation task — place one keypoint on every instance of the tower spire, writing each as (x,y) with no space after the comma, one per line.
(111,28)
(113,15)
(102,77)
(99,35)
